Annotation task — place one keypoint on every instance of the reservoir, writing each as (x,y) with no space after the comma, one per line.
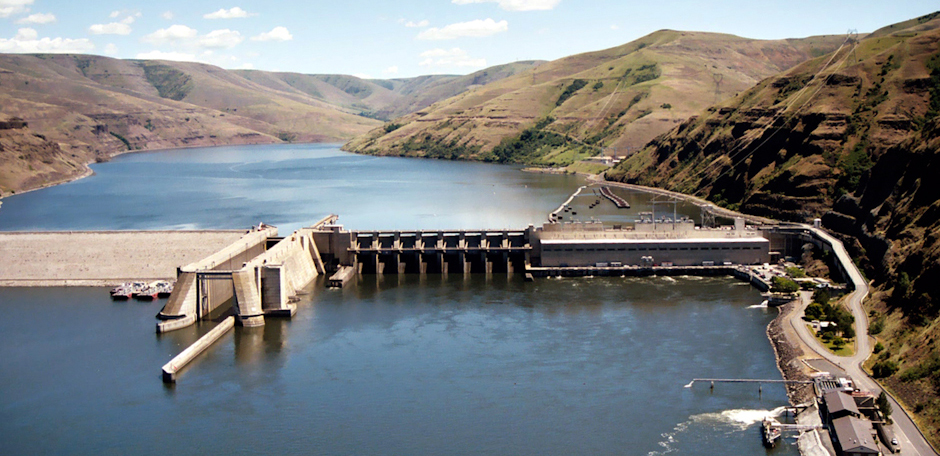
(418,365)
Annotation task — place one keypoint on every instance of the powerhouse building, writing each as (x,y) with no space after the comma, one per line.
(650,243)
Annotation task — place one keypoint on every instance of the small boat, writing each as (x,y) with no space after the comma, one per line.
(121,293)
(147,293)
(164,288)
(770,430)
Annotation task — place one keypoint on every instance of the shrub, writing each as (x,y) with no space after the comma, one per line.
(878,348)
(884,368)
(796,273)
(575,86)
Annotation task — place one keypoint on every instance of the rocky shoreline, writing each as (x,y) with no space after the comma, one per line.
(788,353)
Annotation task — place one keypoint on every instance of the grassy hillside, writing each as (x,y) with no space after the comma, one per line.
(617,99)
(90,108)
(852,137)
(383,99)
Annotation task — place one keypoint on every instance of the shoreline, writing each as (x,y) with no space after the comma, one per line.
(90,172)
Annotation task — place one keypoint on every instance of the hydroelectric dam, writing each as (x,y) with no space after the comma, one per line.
(261,274)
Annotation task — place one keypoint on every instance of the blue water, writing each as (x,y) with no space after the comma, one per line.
(288,186)
(391,365)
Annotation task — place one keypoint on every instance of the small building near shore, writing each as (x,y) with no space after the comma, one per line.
(853,437)
(839,404)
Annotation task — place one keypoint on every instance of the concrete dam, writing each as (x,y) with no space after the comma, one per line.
(261,274)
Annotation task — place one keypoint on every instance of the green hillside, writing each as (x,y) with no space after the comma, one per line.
(614,100)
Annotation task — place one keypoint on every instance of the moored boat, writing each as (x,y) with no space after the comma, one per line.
(770,429)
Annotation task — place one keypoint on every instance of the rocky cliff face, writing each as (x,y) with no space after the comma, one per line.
(853,138)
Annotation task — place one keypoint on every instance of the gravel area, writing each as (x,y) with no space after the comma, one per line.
(102,258)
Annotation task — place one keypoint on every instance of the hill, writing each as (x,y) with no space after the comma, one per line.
(89,108)
(574,107)
(851,137)
(383,99)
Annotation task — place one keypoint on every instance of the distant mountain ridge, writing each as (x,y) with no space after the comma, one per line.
(90,107)
(617,98)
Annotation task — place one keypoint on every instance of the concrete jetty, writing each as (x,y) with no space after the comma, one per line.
(171,369)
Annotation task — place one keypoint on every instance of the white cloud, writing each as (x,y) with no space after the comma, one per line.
(11,7)
(516,5)
(114,28)
(160,55)
(128,20)
(615,27)
(26,34)
(276,34)
(362,76)
(111,49)
(224,38)
(174,32)
(114,14)
(38,18)
(390,70)
(27,41)
(233,13)
(245,66)
(423,23)
(450,58)
(477,28)
(168,15)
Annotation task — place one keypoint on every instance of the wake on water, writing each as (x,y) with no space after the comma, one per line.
(738,419)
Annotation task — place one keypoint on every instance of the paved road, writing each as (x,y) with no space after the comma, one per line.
(912,441)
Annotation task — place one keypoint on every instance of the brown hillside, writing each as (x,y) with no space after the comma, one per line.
(93,107)
(618,98)
(855,143)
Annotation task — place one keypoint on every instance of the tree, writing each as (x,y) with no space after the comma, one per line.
(783,285)
(848,332)
(821,296)
(814,311)
(883,404)
(878,348)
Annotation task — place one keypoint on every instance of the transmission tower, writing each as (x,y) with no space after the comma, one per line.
(718,78)
(853,38)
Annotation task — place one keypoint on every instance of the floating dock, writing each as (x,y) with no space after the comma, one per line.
(617,200)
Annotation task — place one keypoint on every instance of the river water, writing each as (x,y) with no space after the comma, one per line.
(392,365)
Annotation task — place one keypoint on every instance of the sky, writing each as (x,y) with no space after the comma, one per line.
(406,38)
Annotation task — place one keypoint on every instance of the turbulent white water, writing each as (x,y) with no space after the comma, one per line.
(737,419)
(762,305)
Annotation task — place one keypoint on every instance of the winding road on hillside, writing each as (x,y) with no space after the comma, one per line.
(911,439)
